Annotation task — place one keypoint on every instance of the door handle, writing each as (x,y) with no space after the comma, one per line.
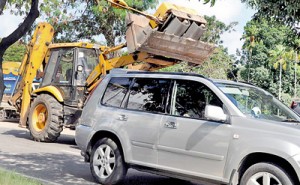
(171,124)
(122,117)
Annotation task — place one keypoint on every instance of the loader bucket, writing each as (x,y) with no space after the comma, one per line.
(177,38)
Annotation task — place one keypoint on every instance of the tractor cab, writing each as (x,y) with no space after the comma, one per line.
(66,70)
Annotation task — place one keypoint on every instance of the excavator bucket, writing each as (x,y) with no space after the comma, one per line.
(176,36)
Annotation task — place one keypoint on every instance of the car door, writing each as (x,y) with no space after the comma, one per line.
(188,143)
(141,118)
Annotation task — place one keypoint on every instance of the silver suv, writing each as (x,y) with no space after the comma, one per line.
(189,127)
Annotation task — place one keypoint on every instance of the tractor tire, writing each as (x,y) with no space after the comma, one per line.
(45,119)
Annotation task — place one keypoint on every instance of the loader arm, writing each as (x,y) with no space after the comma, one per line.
(151,62)
(32,61)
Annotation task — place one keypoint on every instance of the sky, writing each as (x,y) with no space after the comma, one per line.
(225,10)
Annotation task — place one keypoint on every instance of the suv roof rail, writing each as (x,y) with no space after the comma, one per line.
(166,73)
(129,71)
(119,71)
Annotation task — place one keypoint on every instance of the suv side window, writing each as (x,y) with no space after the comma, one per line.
(190,99)
(116,91)
(149,95)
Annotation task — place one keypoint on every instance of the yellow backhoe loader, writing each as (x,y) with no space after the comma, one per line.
(68,72)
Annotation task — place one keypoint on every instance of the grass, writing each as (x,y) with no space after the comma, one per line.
(12,178)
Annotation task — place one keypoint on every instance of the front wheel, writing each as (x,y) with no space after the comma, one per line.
(107,163)
(45,118)
(265,174)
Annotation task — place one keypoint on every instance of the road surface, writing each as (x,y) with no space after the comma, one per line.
(57,163)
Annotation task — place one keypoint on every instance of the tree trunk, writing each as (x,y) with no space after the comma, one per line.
(295,80)
(15,36)
(280,83)
(1,77)
(2,5)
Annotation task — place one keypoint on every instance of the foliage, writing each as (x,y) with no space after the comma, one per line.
(284,11)
(21,30)
(215,29)
(217,66)
(259,76)
(15,53)
(274,45)
(81,19)
(86,19)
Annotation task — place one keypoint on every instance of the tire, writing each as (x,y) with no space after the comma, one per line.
(266,171)
(3,114)
(107,167)
(45,119)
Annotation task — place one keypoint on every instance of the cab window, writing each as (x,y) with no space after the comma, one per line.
(64,72)
(47,79)
(88,59)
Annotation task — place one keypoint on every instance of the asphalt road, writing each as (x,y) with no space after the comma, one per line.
(57,163)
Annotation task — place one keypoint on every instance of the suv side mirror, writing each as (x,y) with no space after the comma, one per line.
(215,113)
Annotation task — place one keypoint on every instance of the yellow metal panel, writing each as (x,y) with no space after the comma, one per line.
(165,7)
(108,64)
(100,69)
(32,61)
(52,90)
(77,44)
(11,67)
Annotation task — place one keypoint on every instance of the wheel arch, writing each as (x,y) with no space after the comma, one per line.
(102,134)
(51,90)
(258,157)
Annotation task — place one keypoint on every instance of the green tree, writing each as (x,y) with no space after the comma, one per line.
(77,20)
(284,11)
(215,29)
(217,66)
(15,52)
(249,36)
(279,59)
(29,19)
(269,34)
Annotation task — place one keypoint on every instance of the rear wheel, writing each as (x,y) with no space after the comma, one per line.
(45,118)
(107,163)
(265,174)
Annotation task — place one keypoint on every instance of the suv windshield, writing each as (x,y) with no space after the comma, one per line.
(257,103)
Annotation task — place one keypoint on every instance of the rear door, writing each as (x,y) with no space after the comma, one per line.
(188,143)
(141,117)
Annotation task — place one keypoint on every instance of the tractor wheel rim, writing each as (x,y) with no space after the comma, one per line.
(39,117)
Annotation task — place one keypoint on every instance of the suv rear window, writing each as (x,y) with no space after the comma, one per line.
(149,95)
(116,91)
